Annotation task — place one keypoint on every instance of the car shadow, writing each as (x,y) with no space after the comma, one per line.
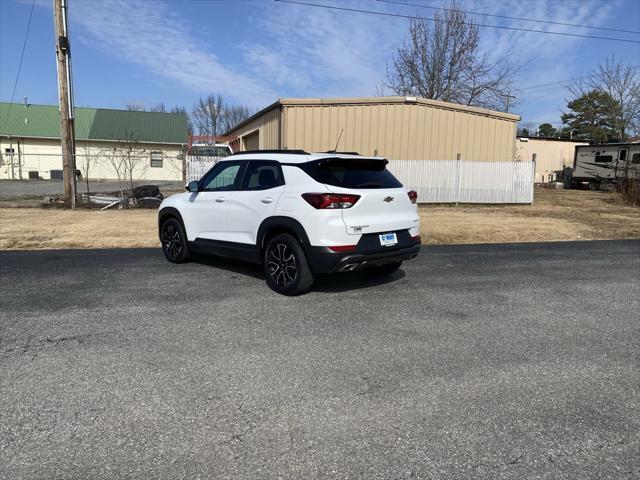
(330,283)
(341,282)
(235,266)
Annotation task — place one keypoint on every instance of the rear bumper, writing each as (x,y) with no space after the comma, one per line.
(323,260)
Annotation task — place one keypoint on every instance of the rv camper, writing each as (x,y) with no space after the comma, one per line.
(600,166)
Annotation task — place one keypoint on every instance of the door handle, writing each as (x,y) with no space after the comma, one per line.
(219,199)
(267,200)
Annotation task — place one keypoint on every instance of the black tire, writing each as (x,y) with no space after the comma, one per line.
(605,186)
(174,241)
(285,266)
(384,270)
(594,185)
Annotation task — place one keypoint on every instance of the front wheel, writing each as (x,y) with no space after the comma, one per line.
(383,270)
(174,241)
(286,267)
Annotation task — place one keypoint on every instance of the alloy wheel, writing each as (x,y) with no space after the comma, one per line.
(171,241)
(282,264)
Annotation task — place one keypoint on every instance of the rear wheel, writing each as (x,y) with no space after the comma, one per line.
(383,270)
(594,185)
(286,267)
(605,185)
(174,241)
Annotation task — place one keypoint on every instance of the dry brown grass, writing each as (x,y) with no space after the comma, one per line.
(556,215)
(34,228)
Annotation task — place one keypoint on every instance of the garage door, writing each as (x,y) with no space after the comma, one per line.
(252,141)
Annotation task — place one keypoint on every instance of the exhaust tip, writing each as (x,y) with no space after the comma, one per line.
(349,267)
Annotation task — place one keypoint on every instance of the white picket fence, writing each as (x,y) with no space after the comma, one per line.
(467,181)
(197,166)
(441,181)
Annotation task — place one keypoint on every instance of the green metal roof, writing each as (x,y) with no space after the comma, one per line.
(43,121)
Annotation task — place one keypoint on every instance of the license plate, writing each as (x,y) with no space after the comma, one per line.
(388,239)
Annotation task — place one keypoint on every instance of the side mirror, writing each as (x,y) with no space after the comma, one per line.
(193,186)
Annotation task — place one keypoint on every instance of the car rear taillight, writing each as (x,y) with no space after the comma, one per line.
(416,238)
(330,200)
(413,196)
(343,248)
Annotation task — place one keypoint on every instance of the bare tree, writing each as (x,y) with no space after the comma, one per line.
(128,160)
(207,115)
(442,61)
(186,114)
(234,114)
(159,107)
(213,116)
(133,160)
(86,165)
(622,83)
(136,107)
(117,163)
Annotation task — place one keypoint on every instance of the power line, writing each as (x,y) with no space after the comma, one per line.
(559,82)
(24,46)
(398,15)
(511,18)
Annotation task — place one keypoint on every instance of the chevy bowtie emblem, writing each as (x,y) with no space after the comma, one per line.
(388,199)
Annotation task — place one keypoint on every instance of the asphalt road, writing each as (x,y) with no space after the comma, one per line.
(503,361)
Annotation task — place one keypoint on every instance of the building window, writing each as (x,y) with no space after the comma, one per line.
(156,159)
(8,152)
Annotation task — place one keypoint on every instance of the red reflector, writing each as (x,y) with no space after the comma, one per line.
(413,196)
(416,238)
(330,200)
(343,248)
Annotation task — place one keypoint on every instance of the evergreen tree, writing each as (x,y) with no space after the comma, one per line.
(590,117)
(546,130)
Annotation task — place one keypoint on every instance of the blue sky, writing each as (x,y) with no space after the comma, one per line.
(254,51)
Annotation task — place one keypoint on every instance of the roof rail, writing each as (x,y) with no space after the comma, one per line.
(290,152)
(341,153)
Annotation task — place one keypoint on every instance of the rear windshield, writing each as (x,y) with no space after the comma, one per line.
(352,173)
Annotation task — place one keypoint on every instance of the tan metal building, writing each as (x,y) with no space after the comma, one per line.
(552,154)
(398,128)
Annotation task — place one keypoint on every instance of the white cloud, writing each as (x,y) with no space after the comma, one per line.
(321,52)
(303,51)
(324,52)
(544,58)
(154,36)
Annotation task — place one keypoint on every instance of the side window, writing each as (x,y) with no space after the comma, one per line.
(604,158)
(623,155)
(223,177)
(262,175)
(635,159)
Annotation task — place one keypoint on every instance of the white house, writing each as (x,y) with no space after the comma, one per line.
(108,142)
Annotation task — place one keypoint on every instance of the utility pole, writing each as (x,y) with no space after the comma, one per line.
(65,96)
(509,97)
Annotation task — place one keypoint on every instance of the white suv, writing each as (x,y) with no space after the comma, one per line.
(295,213)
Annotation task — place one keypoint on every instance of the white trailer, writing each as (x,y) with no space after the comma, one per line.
(600,166)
